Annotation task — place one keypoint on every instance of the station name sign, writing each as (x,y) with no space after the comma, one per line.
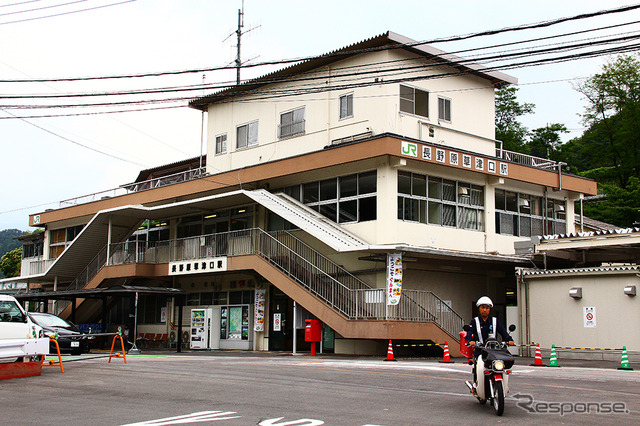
(454,158)
(198,266)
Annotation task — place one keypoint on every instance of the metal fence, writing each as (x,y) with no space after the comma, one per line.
(136,187)
(322,277)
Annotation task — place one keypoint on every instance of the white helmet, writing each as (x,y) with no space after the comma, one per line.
(484,300)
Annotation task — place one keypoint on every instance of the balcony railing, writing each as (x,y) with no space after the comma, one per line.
(37,267)
(319,275)
(185,176)
(527,160)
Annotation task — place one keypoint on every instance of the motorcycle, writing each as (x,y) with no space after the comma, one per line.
(492,368)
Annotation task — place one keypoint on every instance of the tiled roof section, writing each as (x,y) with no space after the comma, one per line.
(589,234)
(373,43)
(594,269)
(597,224)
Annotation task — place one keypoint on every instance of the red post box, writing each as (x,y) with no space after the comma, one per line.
(312,330)
(312,333)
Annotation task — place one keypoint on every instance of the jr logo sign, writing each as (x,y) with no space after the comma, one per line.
(410,149)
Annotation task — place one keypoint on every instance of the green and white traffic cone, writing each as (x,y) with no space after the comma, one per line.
(553,358)
(624,363)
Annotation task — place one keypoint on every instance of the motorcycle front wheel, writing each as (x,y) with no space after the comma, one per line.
(498,398)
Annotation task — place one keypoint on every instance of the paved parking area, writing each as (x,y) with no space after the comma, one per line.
(230,388)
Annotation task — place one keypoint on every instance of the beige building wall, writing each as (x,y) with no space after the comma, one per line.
(556,318)
(375,109)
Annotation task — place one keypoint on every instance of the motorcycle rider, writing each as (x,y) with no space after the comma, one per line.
(483,327)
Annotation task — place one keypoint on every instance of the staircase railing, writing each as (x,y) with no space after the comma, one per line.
(334,285)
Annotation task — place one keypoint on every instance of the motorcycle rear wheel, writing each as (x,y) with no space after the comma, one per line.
(498,398)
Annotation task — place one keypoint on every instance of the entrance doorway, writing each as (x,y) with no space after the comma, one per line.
(281,321)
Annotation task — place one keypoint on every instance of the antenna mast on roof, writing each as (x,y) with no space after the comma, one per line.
(239,34)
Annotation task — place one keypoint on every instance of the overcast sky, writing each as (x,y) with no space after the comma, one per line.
(46,160)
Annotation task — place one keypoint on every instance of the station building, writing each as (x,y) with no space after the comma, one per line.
(317,177)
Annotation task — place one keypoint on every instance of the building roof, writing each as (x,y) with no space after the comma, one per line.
(171,168)
(388,40)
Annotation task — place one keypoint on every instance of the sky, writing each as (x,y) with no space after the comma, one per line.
(48,160)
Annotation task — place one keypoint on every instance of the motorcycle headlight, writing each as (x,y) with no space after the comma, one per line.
(498,365)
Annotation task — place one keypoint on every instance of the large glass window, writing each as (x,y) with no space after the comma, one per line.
(350,198)
(291,123)
(247,135)
(523,215)
(437,201)
(414,101)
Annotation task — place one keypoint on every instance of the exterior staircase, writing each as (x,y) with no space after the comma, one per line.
(344,302)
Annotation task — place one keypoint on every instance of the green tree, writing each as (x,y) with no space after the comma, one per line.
(619,207)
(545,141)
(612,115)
(10,263)
(509,130)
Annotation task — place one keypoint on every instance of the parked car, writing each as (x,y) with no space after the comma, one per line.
(70,338)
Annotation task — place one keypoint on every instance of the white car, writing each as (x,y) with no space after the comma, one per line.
(14,321)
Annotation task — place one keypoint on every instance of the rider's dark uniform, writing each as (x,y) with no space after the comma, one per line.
(487,329)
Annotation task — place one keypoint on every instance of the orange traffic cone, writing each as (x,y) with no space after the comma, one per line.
(446,358)
(390,352)
(538,360)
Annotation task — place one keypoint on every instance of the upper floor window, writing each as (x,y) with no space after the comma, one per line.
(414,101)
(247,135)
(444,109)
(437,201)
(59,239)
(525,215)
(346,106)
(221,144)
(291,123)
(345,199)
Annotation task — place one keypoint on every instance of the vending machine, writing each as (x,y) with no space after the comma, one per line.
(200,328)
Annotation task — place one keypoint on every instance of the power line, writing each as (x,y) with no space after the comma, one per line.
(41,8)
(338,53)
(66,13)
(76,143)
(347,77)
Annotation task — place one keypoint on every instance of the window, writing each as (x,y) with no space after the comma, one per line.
(247,135)
(10,312)
(523,215)
(444,109)
(61,238)
(437,201)
(346,106)
(414,101)
(291,123)
(221,144)
(345,199)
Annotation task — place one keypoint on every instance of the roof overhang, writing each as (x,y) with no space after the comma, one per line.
(388,40)
(102,292)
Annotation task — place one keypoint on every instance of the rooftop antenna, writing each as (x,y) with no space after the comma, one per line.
(239,33)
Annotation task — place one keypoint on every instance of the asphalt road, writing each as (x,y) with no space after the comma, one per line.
(273,389)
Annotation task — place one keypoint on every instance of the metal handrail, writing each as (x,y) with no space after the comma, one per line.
(136,187)
(335,286)
(528,160)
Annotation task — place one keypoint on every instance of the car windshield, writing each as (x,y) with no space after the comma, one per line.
(10,312)
(50,321)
